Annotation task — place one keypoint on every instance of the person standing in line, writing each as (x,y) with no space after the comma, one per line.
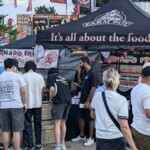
(35,84)
(12,104)
(108,136)
(140,101)
(60,98)
(17,66)
(89,83)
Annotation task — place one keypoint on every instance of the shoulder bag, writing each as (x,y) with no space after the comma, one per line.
(108,111)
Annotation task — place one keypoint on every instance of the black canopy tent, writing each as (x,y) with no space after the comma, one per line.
(118,24)
(28,42)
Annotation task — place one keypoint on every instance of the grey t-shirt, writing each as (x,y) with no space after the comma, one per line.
(118,105)
(10,84)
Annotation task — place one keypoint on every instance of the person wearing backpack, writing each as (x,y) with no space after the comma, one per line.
(60,99)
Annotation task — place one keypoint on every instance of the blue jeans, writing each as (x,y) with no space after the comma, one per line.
(27,135)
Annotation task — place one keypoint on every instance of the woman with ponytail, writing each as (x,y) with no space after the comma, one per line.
(108,135)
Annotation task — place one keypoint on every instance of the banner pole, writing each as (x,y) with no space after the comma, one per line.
(66,7)
(91,5)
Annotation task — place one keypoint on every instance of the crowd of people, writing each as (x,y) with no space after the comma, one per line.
(101,107)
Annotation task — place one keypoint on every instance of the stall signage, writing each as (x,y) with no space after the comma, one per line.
(137,58)
(21,55)
(43,59)
(114,17)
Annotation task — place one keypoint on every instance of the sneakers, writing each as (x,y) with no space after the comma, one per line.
(89,142)
(57,148)
(27,148)
(11,147)
(39,147)
(1,146)
(63,147)
(79,138)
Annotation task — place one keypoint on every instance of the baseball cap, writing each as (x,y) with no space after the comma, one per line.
(146,64)
(146,71)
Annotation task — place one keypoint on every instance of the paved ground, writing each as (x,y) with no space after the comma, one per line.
(72,146)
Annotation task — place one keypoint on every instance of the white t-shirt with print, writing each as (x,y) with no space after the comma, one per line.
(118,105)
(140,100)
(34,85)
(10,84)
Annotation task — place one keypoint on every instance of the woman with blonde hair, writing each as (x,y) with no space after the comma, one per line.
(108,135)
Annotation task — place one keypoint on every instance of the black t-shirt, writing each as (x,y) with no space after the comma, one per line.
(62,90)
(89,79)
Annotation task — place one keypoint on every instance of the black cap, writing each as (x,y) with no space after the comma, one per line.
(146,71)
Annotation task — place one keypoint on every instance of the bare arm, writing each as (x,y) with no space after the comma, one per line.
(79,76)
(127,133)
(86,104)
(91,94)
(93,114)
(51,93)
(23,96)
(147,112)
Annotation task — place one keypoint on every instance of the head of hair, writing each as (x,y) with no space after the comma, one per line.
(52,71)
(111,78)
(9,63)
(146,64)
(29,65)
(146,72)
(16,63)
(85,60)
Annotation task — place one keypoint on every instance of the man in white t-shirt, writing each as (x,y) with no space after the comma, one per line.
(140,100)
(35,84)
(12,104)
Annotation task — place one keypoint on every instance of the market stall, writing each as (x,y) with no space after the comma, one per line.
(115,25)
(119,27)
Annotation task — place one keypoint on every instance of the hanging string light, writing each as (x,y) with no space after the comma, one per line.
(85,54)
(117,58)
(100,62)
(132,49)
(92,59)
(109,61)
(125,53)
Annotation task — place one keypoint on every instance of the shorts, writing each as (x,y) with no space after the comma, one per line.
(85,114)
(60,111)
(12,119)
(142,141)
(110,144)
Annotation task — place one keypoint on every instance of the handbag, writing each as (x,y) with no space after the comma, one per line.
(108,111)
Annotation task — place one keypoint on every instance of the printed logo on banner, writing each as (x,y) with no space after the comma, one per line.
(84,2)
(113,17)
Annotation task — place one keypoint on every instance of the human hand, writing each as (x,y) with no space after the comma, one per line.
(50,102)
(24,107)
(79,70)
(86,105)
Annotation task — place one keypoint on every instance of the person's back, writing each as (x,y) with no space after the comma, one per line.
(34,83)
(12,104)
(10,90)
(60,98)
(104,126)
(111,112)
(140,120)
(62,90)
(140,100)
